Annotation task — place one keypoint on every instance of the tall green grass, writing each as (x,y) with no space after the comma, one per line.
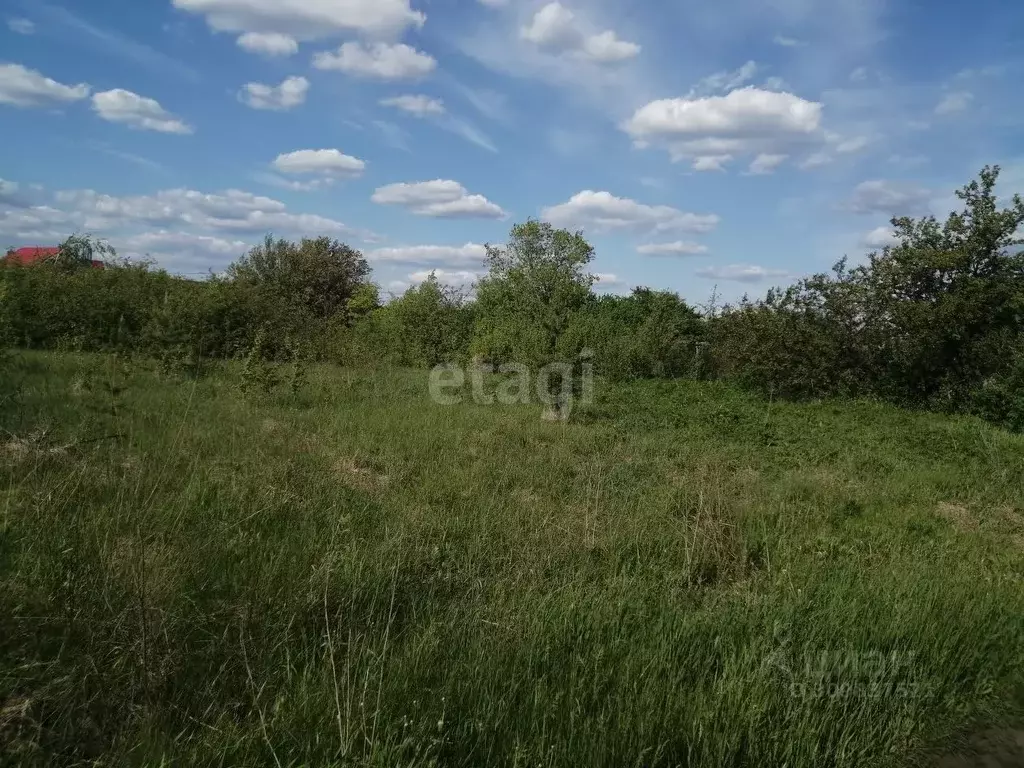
(355,576)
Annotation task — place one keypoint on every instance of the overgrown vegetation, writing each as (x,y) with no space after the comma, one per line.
(191,575)
(236,530)
(936,321)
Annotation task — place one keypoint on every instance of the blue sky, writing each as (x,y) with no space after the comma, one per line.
(733,144)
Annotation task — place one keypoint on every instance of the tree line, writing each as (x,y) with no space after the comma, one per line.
(936,320)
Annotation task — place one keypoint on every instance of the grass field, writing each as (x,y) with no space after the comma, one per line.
(356,576)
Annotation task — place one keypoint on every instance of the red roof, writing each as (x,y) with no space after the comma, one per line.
(26,256)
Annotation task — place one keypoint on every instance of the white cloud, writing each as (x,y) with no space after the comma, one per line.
(325,162)
(470,254)
(293,185)
(711,162)
(742,273)
(606,47)
(8,191)
(765,164)
(121,106)
(743,112)
(181,249)
(859,75)
(35,224)
(268,43)
(848,146)
(724,81)
(745,121)
(608,280)
(290,93)
(22,87)
(418,105)
(451,277)
(879,238)
(439,198)
(381,61)
(815,160)
(788,42)
(890,198)
(230,211)
(678,248)
(604,211)
(21,26)
(555,28)
(306,19)
(958,101)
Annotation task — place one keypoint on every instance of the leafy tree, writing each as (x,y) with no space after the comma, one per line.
(80,251)
(534,286)
(317,276)
(646,334)
(946,304)
(427,325)
(929,321)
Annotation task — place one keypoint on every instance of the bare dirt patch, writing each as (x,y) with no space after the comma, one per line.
(991,749)
(360,477)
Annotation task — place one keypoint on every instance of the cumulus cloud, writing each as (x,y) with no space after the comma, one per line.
(742,273)
(677,248)
(21,26)
(745,121)
(603,211)
(418,105)
(290,93)
(268,43)
(181,250)
(470,254)
(23,87)
(438,198)
(183,229)
(230,211)
(879,238)
(555,28)
(306,19)
(138,112)
(554,25)
(381,61)
(10,193)
(890,198)
(607,48)
(711,162)
(958,101)
(35,224)
(460,277)
(766,163)
(324,162)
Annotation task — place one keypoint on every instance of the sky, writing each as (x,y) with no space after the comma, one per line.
(701,147)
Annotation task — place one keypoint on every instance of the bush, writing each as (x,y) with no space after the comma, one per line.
(648,334)
(926,322)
